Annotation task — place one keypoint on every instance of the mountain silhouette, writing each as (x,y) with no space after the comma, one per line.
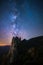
(23,52)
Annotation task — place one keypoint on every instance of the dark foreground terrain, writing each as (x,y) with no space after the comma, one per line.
(22,52)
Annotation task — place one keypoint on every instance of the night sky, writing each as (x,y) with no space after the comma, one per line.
(23,18)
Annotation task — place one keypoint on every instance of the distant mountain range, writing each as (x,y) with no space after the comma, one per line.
(4,49)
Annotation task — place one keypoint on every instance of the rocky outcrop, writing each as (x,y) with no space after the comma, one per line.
(25,52)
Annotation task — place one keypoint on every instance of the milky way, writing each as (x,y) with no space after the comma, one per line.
(23,18)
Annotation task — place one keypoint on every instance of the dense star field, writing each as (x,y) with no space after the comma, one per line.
(23,18)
